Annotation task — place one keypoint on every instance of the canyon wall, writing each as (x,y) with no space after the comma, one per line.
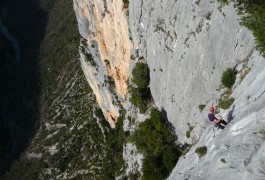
(187,44)
(103,25)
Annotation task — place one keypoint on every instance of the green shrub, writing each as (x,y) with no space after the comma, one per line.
(152,168)
(225,103)
(89,59)
(228,78)
(141,77)
(133,176)
(170,158)
(197,2)
(151,134)
(201,107)
(223,160)
(141,94)
(115,139)
(188,134)
(125,1)
(189,131)
(137,99)
(156,141)
(201,151)
(99,114)
(253,18)
(223,1)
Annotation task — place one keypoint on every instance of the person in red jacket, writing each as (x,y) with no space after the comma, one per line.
(216,122)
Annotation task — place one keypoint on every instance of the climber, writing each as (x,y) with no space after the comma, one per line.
(216,122)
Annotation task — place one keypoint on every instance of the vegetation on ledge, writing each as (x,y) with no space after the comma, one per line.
(74,140)
(201,151)
(155,139)
(141,94)
(228,78)
(225,102)
(125,1)
(201,107)
(253,15)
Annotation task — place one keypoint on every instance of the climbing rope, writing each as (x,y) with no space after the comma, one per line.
(254,100)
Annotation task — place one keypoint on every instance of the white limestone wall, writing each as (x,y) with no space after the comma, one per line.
(103,25)
(240,144)
(187,45)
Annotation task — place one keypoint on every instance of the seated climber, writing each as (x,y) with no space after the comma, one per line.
(216,122)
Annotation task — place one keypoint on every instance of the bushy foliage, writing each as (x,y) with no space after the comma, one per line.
(201,151)
(201,107)
(170,157)
(125,1)
(152,168)
(87,145)
(253,15)
(224,1)
(253,19)
(189,131)
(141,75)
(223,160)
(225,103)
(156,141)
(188,134)
(141,94)
(140,97)
(152,133)
(228,78)
(114,142)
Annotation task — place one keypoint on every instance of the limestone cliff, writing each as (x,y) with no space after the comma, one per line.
(187,45)
(103,25)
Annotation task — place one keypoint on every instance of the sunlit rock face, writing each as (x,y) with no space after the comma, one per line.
(238,151)
(188,44)
(103,25)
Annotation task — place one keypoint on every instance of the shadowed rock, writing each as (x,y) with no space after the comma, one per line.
(25,23)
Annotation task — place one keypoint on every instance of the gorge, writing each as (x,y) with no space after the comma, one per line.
(84,105)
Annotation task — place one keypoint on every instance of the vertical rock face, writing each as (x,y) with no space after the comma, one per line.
(238,151)
(188,44)
(103,24)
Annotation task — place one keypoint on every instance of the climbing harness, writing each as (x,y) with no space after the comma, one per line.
(254,100)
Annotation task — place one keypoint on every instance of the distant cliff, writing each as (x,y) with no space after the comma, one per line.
(104,27)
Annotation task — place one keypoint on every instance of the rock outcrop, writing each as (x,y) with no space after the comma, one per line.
(237,152)
(187,45)
(103,24)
